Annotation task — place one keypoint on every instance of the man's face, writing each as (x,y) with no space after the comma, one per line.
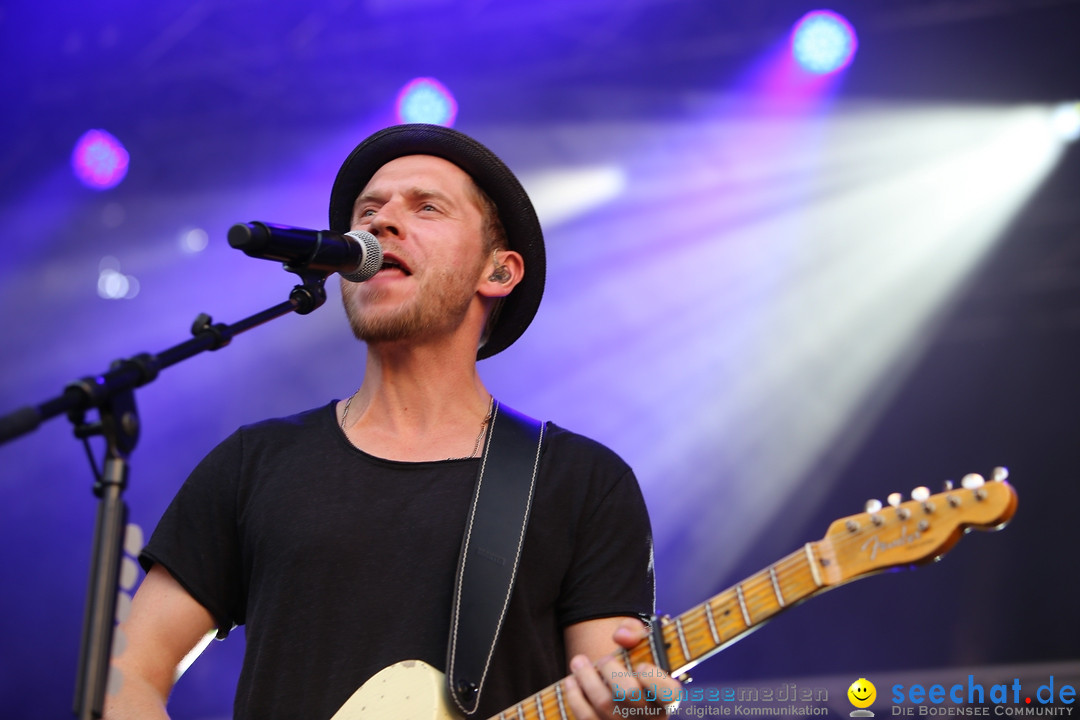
(424,212)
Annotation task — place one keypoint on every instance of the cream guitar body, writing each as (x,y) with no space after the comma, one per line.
(408,690)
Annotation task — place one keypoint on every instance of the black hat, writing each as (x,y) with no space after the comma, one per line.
(491,175)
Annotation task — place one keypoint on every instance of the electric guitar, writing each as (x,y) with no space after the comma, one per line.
(905,534)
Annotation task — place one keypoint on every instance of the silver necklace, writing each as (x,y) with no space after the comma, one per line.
(479,435)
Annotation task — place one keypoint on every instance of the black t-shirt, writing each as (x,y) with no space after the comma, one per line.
(340,563)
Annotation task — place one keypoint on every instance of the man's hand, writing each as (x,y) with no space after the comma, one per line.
(608,689)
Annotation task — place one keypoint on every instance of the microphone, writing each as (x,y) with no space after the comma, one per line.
(356,255)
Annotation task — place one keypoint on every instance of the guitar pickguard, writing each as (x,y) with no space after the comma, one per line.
(408,690)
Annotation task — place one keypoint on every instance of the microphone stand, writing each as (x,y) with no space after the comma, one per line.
(112,395)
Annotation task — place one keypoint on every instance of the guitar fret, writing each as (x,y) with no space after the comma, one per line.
(682,638)
(776,586)
(520,712)
(627,663)
(742,605)
(712,623)
(540,706)
(652,649)
(813,564)
(559,698)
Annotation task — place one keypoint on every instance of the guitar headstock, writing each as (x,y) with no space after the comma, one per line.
(918,531)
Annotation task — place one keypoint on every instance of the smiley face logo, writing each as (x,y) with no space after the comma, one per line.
(862,693)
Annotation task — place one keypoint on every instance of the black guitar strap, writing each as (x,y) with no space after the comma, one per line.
(491,549)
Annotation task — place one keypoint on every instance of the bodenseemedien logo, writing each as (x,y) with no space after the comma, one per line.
(862,694)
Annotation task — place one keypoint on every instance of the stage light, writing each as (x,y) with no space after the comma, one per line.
(113,284)
(823,42)
(561,195)
(194,240)
(764,256)
(1065,121)
(99,160)
(426,100)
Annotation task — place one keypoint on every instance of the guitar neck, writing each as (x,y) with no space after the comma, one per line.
(914,532)
(708,628)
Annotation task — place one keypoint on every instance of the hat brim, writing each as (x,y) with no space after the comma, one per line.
(491,175)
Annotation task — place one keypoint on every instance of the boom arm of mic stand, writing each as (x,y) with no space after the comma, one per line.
(94,391)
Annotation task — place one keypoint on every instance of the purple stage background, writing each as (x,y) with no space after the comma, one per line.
(776,298)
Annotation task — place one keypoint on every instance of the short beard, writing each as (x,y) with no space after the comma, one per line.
(439,311)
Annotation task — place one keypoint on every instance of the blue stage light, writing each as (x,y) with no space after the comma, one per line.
(99,160)
(426,100)
(823,42)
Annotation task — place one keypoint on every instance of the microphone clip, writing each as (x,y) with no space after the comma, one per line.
(310,295)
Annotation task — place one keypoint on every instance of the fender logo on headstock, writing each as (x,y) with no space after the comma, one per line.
(875,546)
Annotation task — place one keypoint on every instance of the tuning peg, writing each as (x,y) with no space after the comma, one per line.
(895,499)
(922,494)
(971,481)
(999,474)
(873,507)
(948,485)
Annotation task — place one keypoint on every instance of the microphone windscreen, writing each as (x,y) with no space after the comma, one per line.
(371,257)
